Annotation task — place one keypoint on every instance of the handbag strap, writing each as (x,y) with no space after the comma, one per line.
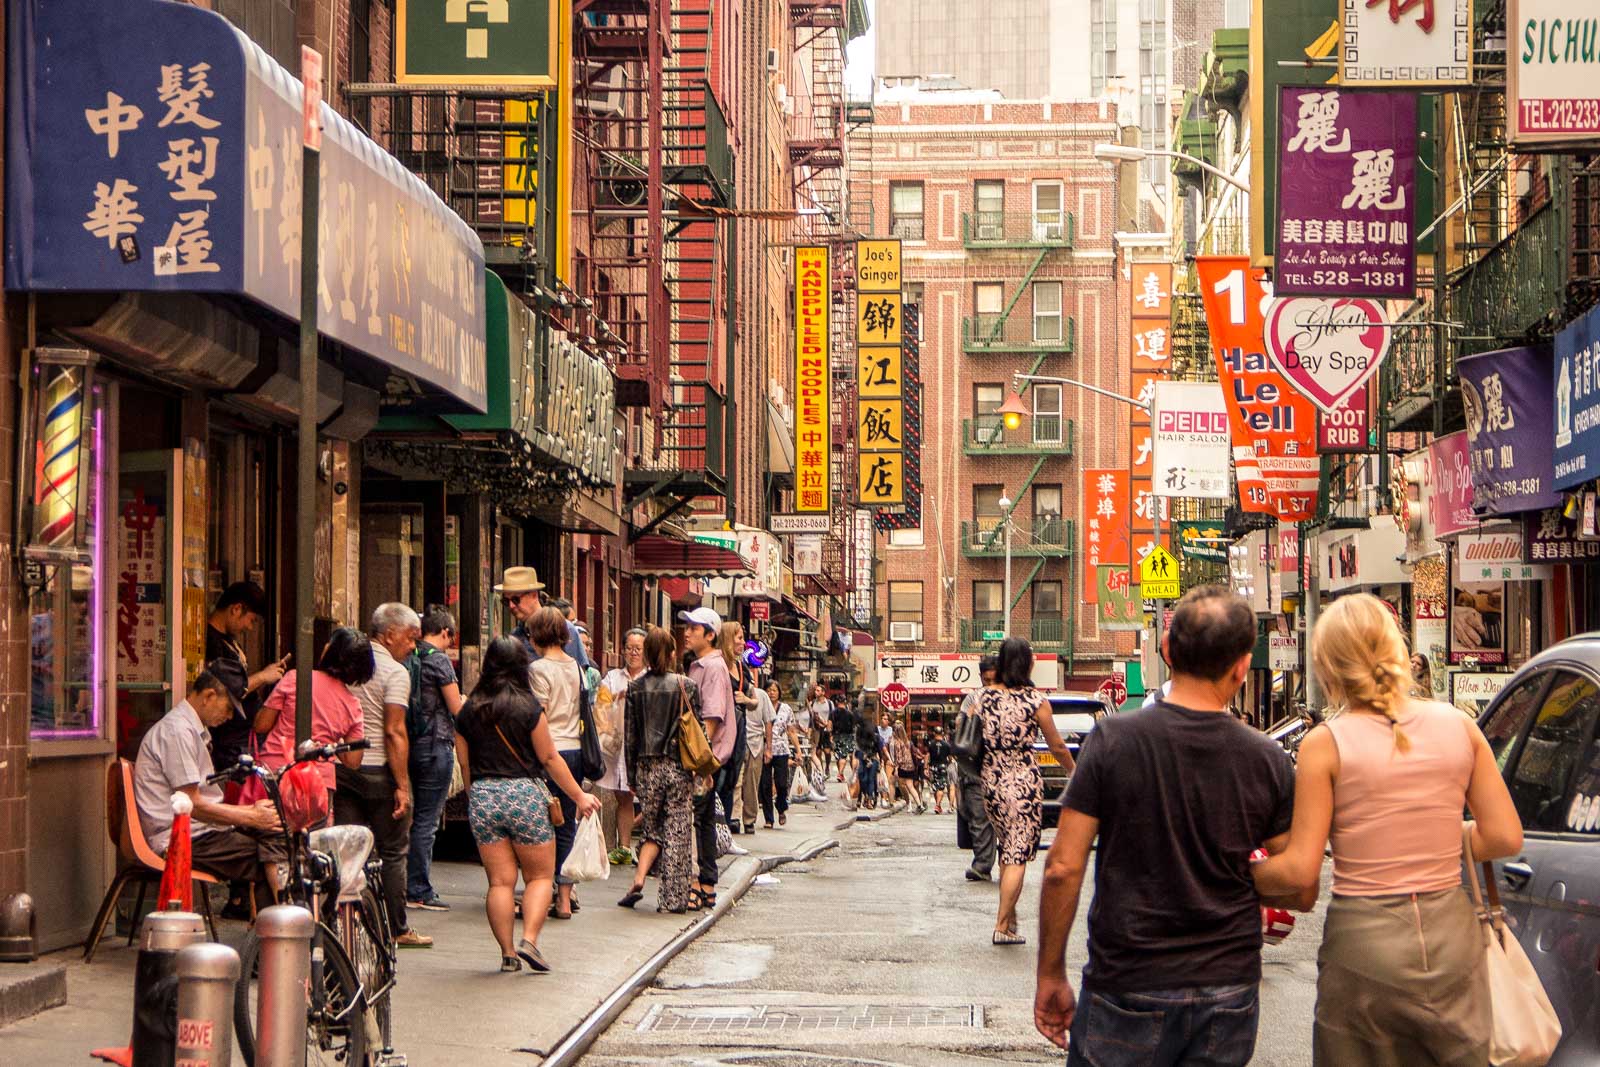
(514,755)
(1495,909)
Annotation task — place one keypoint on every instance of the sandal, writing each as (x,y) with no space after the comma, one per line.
(631,897)
(554,913)
(1009,939)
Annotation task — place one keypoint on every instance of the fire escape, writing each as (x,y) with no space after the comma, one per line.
(654,186)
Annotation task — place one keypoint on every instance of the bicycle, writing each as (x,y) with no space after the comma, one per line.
(331,872)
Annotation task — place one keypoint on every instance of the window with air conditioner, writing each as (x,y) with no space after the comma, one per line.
(905,210)
(987,428)
(905,611)
(1047,311)
(989,210)
(1049,214)
(1047,414)
(987,514)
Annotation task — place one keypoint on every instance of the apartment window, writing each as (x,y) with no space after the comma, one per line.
(986,426)
(360,60)
(905,604)
(1047,525)
(988,601)
(1153,58)
(988,302)
(269,23)
(1049,218)
(1046,599)
(905,210)
(1102,44)
(911,538)
(1047,419)
(987,514)
(1047,311)
(989,210)
(913,294)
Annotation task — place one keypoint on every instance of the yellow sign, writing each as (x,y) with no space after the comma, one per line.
(878,319)
(813,444)
(1158,576)
(879,372)
(878,266)
(881,478)
(880,425)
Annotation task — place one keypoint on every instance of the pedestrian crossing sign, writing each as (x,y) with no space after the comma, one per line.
(1158,576)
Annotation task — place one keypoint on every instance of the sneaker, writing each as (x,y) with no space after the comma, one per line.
(617,857)
(412,939)
(628,858)
(735,826)
(433,903)
(737,850)
(977,875)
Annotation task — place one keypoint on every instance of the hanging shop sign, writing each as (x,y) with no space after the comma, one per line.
(882,479)
(476,42)
(954,674)
(1477,625)
(1407,42)
(1283,652)
(813,423)
(878,266)
(1449,485)
(1507,395)
(1120,604)
(1201,540)
(1190,440)
(1347,427)
(1549,537)
(1347,164)
(1273,427)
(1553,73)
(1577,401)
(1327,348)
(880,435)
(1496,557)
(1476,690)
(1150,290)
(1106,524)
(807,554)
(801,524)
(1147,319)
(163,155)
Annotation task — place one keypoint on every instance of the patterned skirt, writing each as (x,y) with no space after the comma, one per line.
(667,819)
(1013,797)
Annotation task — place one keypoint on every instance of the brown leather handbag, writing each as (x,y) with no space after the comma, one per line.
(694,747)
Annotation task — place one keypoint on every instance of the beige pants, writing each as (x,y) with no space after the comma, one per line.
(1401,983)
(750,788)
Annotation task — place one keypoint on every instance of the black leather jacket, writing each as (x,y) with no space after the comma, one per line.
(652,709)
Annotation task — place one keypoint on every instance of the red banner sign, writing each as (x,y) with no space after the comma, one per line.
(1105,523)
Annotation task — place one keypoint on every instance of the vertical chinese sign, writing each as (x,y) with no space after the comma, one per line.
(1150,359)
(1106,536)
(813,432)
(880,401)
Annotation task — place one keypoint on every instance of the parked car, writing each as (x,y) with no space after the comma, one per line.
(1542,728)
(1075,715)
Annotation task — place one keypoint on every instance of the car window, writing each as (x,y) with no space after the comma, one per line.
(1583,812)
(1506,722)
(1550,757)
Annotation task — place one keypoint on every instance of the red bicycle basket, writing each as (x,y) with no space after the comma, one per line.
(305,798)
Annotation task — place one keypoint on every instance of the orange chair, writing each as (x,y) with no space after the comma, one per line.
(135,860)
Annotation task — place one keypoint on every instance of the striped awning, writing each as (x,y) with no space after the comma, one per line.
(670,557)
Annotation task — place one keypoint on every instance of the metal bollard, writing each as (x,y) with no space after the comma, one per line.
(155,984)
(206,976)
(285,934)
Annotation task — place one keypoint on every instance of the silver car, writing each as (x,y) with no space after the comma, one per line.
(1075,715)
(1542,728)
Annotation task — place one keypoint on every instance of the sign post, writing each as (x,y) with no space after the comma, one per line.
(305,542)
(1158,580)
(894,697)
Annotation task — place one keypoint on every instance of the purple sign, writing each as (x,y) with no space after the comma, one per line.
(1347,161)
(1508,395)
(1449,488)
(1549,538)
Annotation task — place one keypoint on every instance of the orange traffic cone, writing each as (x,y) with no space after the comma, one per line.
(177,880)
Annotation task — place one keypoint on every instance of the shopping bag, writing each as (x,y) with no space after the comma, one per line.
(724,834)
(587,862)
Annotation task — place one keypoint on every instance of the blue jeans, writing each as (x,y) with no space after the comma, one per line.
(1209,1026)
(430,766)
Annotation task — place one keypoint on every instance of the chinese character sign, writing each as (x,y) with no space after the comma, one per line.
(1190,444)
(813,441)
(1552,95)
(1406,42)
(882,478)
(1507,396)
(1347,163)
(1119,604)
(1577,402)
(476,42)
(1107,536)
(1150,290)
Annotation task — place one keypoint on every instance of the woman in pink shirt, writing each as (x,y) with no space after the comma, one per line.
(1400,975)
(335,714)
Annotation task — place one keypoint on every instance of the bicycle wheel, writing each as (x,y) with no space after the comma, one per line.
(335,1028)
(367,938)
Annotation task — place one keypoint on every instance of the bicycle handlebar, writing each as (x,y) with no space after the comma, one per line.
(309,752)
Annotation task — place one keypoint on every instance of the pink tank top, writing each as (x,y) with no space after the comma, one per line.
(1397,816)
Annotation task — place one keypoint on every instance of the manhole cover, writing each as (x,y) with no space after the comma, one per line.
(764,1017)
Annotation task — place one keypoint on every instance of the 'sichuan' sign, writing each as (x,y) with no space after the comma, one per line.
(1553,77)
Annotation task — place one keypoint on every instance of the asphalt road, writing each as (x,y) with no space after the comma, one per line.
(878,953)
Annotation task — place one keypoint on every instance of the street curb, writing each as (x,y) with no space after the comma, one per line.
(571,1048)
(872,816)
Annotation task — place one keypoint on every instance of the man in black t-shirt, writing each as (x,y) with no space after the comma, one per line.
(234,615)
(1179,795)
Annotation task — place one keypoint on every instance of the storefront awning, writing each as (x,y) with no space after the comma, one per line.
(664,557)
(152,147)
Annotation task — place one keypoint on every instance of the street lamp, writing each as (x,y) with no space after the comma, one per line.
(1005,517)
(1013,411)
(1124,153)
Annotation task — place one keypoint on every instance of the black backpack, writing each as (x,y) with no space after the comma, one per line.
(416,715)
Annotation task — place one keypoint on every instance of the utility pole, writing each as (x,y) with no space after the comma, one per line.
(1005,508)
(305,544)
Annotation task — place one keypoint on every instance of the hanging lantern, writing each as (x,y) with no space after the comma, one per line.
(1013,411)
(60,388)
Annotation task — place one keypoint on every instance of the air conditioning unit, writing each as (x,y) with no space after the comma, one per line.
(772,61)
(601,89)
(905,632)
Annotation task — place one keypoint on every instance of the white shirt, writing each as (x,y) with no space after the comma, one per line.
(390,684)
(821,712)
(782,719)
(557,684)
(175,754)
(802,719)
(755,720)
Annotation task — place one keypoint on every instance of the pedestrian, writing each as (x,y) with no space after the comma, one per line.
(378,794)
(655,703)
(346,661)
(1421,677)
(431,728)
(821,709)
(730,642)
(1013,715)
(972,821)
(1400,975)
(507,754)
(709,671)
(558,686)
(575,646)
(903,759)
(760,724)
(611,722)
(234,615)
(519,591)
(1179,795)
(886,769)
(939,770)
(842,734)
(774,782)
(865,791)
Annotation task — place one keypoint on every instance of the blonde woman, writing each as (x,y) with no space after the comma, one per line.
(1400,976)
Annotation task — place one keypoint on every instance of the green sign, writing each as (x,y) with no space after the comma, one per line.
(994,635)
(1117,599)
(476,42)
(1201,540)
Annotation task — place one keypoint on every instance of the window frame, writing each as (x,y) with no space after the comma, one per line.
(900,221)
(1563,800)
(1042,411)
(988,223)
(998,591)
(1042,226)
(899,614)
(1034,588)
(1059,314)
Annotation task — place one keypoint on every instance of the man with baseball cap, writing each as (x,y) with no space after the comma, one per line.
(709,671)
(238,842)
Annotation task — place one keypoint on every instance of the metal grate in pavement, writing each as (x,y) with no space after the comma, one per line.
(762,1018)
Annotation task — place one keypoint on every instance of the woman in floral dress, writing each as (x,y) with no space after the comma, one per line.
(1014,715)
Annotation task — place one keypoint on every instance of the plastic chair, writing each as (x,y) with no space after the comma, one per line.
(136,860)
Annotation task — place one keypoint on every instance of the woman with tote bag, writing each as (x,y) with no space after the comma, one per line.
(1401,975)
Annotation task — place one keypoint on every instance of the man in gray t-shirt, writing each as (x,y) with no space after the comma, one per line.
(972,820)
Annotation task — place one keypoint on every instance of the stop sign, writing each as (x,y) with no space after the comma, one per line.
(1115,689)
(894,697)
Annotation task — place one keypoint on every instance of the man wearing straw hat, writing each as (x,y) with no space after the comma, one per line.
(520,591)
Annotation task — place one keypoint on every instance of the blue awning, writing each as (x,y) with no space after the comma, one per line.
(154,147)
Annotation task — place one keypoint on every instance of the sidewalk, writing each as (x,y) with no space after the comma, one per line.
(451,999)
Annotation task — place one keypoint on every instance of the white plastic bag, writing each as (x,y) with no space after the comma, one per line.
(587,862)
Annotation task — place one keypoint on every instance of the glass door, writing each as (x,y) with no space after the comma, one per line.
(149,524)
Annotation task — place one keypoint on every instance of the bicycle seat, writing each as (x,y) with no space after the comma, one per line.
(349,847)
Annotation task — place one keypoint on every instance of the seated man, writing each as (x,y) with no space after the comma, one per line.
(233,841)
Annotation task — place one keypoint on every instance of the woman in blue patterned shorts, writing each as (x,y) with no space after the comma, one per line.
(502,741)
